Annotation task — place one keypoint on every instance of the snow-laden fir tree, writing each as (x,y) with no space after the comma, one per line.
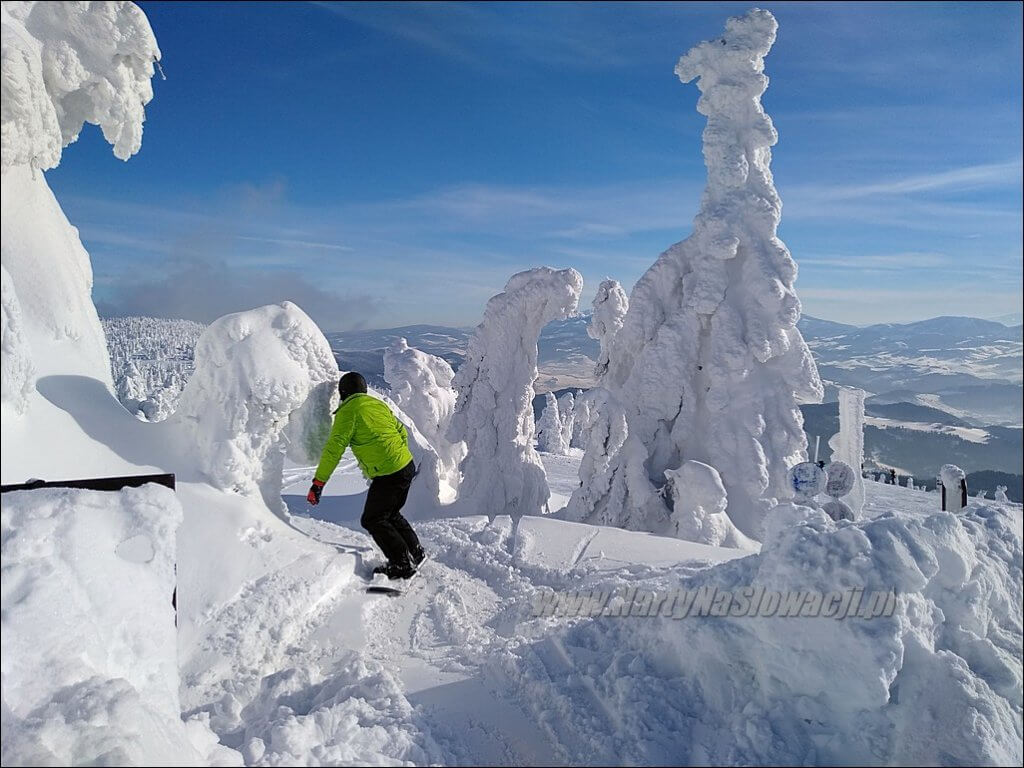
(709,365)
(567,416)
(550,435)
(502,473)
(580,419)
(602,426)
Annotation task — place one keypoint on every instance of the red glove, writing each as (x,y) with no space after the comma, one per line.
(313,497)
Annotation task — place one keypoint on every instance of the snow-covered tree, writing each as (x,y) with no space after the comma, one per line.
(580,418)
(709,365)
(421,385)
(263,384)
(610,306)
(151,360)
(1001,493)
(64,64)
(550,434)
(502,472)
(567,415)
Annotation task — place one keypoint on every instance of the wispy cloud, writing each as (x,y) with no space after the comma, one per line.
(972,177)
(294,243)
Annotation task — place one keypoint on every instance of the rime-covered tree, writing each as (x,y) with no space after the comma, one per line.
(502,473)
(709,365)
(550,434)
(421,385)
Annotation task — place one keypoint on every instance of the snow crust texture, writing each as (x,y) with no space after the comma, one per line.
(262,387)
(502,473)
(90,665)
(709,364)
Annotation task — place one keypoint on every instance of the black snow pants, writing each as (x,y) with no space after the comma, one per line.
(382,515)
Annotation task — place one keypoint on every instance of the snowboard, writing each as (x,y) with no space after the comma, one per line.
(382,585)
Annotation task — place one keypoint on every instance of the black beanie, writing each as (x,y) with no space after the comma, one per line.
(351,383)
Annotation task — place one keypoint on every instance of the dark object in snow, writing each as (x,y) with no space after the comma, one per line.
(394,587)
(963,494)
(94,483)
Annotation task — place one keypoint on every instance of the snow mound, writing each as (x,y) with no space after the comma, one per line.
(494,413)
(90,671)
(937,682)
(263,385)
(709,364)
(18,376)
(699,501)
(66,64)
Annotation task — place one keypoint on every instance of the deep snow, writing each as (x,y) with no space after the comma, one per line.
(279,656)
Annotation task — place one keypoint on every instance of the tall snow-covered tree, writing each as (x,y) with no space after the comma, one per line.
(64,64)
(550,435)
(567,417)
(502,473)
(709,365)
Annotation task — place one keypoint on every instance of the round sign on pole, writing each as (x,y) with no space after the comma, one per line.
(840,479)
(807,480)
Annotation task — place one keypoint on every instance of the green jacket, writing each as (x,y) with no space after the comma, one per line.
(378,439)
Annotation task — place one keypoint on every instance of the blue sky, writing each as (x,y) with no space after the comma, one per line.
(386,164)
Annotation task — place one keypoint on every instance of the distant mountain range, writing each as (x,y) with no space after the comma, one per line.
(967,367)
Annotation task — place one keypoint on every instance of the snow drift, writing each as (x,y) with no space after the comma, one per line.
(709,364)
(938,682)
(90,666)
(494,413)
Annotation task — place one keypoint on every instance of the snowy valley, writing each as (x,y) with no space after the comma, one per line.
(653,574)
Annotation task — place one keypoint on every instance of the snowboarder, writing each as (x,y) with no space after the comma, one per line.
(381,447)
